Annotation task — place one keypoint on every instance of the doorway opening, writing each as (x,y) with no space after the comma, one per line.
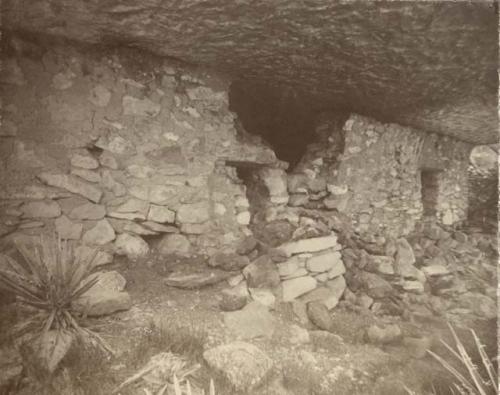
(429,179)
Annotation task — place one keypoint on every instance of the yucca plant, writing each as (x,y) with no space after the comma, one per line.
(471,379)
(46,283)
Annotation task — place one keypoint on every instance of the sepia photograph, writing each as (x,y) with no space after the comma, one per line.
(249,197)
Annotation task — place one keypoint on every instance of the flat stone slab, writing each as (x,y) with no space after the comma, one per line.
(310,245)
(72,184)
(197,280)
(297,286)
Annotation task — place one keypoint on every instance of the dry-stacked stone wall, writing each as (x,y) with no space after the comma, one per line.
(372,172)
(113,153)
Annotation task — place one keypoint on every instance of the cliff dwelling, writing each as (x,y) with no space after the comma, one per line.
(248,197)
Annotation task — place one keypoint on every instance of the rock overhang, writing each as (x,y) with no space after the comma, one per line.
(430,65)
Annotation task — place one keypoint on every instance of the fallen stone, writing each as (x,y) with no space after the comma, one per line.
(234,298)
(67,229)
(374,285)
(161,214)
(319,315)
(324,262)
(174,244)
(244,365)
(88,211)
(310,245)
(384,335)
(262,273)
(102,233)
(253,321)
(41,209)
(229,261)
(195,213)
(72,184)
(107,296)
(84,160)
(140,107)
(381,264)
(134,247)
(298,286)
(196,280)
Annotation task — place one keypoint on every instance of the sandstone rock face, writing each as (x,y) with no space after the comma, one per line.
(243,364)
(133,247)
(242,54)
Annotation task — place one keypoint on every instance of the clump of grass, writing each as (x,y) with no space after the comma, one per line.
(470,379)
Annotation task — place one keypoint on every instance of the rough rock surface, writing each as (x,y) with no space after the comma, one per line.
(419,50)
(243,364)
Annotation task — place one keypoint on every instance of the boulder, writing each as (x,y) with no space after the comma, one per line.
(83,253)
(297,286)
(41,209)
(134,247)
(310,245)
(253,321)
(67,229)
(72,184)
(319,315)
(262,273)
(234,298)
(174,244)
(247,245)
(229,261)
(102,233)
(244,365)
(374,285)
(105,297)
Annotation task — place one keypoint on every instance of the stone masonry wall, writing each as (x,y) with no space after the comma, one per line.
(372,173)
(112,148)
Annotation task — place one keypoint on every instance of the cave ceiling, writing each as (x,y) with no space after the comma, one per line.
(430,65)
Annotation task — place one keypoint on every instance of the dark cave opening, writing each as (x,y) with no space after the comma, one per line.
(277,115)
